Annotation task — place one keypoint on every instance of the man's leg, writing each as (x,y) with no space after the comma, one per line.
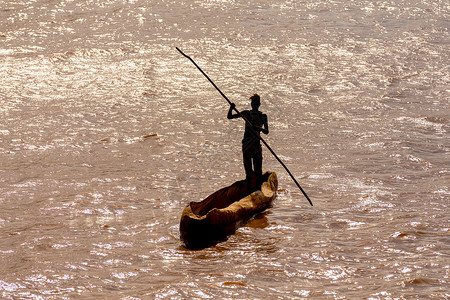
(247,156)
(257,162)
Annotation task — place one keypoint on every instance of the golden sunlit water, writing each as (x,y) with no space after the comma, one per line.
(107,132)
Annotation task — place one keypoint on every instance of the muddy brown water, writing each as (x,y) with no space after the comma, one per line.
(107,132)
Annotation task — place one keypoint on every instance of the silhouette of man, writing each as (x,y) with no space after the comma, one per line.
(251,146)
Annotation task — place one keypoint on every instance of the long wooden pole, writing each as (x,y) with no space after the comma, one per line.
(246,120)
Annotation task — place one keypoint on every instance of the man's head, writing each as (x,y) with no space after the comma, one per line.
(256,101)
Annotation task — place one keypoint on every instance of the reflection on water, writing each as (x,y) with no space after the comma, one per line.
(107,132)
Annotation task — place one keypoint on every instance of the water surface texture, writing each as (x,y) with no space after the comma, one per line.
(107,132)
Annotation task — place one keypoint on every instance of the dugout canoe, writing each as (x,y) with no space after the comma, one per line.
(221,213)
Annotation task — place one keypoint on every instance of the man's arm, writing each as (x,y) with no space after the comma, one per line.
(265,128)
(230,114)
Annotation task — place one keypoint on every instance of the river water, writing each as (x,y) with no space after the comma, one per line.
(107,132)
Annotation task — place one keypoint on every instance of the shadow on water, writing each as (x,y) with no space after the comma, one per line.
(200,245)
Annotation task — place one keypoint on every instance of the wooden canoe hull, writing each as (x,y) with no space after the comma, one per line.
(221,213)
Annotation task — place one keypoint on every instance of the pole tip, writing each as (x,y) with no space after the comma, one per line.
(179,50)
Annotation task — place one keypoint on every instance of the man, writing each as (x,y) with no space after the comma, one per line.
(251,146)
